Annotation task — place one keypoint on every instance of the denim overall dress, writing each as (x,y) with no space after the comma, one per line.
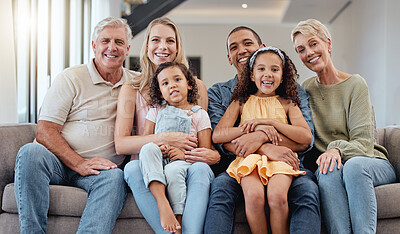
(156,168)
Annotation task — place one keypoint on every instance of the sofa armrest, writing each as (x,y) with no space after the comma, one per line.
(391,142)
(12,137)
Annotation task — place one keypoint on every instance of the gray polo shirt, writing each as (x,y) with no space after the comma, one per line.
(86,105)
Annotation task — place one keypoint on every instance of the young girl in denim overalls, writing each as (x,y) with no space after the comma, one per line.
(266,100)
(173,93)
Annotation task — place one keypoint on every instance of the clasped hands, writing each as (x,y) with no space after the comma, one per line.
(262,125)
(187,144)
(259,133)
(172,152)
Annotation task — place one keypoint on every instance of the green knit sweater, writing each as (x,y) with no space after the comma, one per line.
(342,115)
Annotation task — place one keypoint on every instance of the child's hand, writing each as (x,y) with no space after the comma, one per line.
(249,125)
(164,150)
(176,154)
(271,133)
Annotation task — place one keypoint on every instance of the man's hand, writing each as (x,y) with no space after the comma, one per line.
(94,166)
(249,143)
(176,154)
(49,135)
(330,157)
(183,141)
(280,153)
(205,155)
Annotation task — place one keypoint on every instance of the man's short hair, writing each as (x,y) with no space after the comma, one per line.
(114,22)
(243,28)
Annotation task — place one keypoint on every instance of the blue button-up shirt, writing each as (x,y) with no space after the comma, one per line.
(220,97)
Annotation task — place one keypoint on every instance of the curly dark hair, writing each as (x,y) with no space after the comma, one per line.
(155,92)
(287,89)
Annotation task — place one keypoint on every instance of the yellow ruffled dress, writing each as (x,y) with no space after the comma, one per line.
(261,108)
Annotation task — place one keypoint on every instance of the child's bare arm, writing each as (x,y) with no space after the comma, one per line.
(224,131)
(250,125)
(149,127)
(204,138)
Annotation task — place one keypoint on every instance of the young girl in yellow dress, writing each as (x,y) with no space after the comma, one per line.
(266,99)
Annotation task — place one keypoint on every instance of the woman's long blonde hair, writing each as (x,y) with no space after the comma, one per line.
(147,68)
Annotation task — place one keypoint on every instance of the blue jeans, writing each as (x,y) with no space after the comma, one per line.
(348,197)
(198,180)
(303,204)
(36,168)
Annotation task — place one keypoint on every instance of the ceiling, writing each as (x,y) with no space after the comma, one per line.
(257,12)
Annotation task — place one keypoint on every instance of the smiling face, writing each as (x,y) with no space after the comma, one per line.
(174,86)
(267,74)
(241,44)
(162,45)
(110,48)
(313,51)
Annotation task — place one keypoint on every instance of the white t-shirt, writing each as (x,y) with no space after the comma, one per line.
(86,105)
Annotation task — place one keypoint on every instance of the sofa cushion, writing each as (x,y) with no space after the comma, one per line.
(12,136)
(64,200)
(67,201)
(388,200)
(70,201)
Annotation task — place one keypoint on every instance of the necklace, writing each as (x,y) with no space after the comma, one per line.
(334,80)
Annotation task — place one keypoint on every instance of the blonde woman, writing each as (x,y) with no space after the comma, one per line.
(162,43)
(350,163)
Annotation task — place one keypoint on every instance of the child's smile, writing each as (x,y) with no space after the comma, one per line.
(267,83)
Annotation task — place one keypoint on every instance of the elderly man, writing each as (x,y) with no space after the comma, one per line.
(75,143)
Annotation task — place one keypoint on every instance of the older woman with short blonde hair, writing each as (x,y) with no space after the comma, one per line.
(350,163)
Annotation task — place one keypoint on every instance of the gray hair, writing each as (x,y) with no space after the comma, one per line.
(114,22)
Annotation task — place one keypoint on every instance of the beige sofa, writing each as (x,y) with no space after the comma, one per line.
(67,203)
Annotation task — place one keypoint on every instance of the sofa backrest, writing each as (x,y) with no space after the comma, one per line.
(389,137)
(12,137)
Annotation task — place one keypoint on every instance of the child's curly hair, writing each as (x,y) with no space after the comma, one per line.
(287,89)
(155,92)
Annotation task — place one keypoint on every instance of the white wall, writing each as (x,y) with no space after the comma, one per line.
(365,41)
(392,97)
(8,90)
